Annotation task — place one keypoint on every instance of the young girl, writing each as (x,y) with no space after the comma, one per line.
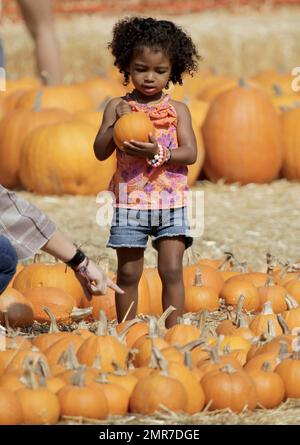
(150,183)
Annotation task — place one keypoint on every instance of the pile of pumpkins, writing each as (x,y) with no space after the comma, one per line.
(246,130)
(248,359)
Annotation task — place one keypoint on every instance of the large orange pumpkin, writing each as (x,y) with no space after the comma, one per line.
(58,301)
(13,130)
(58,159)
(210,277)
(229,388)
(242,137)
(49,275)
(291,144)
(68,97)
(10,408)
(19,309)
(195,169)
(101,89)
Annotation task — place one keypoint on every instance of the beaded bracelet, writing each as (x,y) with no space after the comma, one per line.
(82,270)
(160,158)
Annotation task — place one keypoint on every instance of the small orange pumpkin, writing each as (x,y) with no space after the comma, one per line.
(135,125)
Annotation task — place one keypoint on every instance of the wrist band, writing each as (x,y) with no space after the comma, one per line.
(82,270)
(78,258)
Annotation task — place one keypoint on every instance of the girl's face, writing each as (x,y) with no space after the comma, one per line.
(150,71)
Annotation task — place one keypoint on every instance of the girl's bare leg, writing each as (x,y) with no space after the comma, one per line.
(170,269)
(130,269)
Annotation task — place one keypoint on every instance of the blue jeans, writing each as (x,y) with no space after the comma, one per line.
(8,262)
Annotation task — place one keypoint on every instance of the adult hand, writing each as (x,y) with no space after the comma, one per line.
(95,281)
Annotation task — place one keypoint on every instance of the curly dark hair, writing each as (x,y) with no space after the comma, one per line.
(132,32)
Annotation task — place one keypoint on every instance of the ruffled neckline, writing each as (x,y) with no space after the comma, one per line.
(161,113)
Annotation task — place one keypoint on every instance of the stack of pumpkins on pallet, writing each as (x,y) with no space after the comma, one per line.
(247,131)
(247,359)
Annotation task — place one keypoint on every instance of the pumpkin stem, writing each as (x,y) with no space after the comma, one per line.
(122,334)
(239,308)
(28,378)
(97,363)
(68,358)
(42,368)
(188,361)
(296,344)
(192,345)
(291,302)
(267,308)
(269,281)
(284,269)
(161,322)
(283,324)
(153,328)
(79,313)
(228,369)
(117,369)
(130,358)
(53,323)
(102,378)
(198,278)
(271,329)
(202,320)
(162,362)
(242,83)
(214,355)
(38,101)
(82,325)
(271,262)
(229,258)
(78,377)
(243,266)
(283,350)
(187,321)
(243,322)
(227,349)
(277,89)
(266,366)
(102,324)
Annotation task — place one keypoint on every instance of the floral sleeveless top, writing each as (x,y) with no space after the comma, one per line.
(137,185)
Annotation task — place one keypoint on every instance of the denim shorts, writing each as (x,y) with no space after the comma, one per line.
(131,228)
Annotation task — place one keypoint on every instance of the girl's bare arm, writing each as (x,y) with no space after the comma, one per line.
(104,144)
(186,154)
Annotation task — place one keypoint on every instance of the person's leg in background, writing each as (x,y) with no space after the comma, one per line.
(8,262)
(1,55)
(38,16)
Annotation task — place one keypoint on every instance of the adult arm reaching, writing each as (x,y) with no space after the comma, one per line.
(25,229)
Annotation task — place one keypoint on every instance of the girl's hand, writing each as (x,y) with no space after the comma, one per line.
(142,149)
(123,108)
